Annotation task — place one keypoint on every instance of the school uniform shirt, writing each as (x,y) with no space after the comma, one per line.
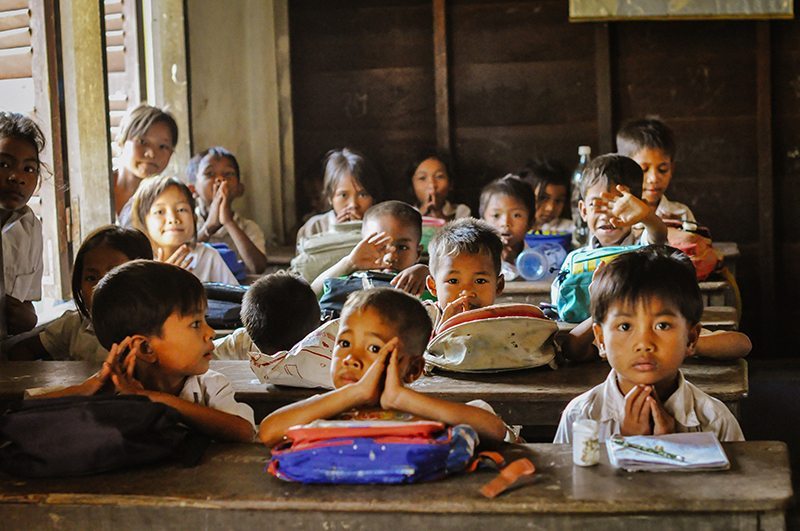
(558,225)
(669,210)
(125,216)
(22,255)
(692,409)
(457,211)
(317,224)
(248,226)
(71,337)
(208,265)
(235,346)
(213,390)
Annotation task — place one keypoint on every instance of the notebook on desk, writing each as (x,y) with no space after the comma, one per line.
(667,453)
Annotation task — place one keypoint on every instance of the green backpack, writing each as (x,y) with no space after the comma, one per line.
(575,277)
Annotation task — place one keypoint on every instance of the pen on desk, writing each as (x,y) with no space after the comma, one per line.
(656,450)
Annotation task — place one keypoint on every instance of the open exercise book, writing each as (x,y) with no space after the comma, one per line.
(667,453)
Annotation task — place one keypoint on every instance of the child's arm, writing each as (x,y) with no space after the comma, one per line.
(578,345)
(627,210)
(94,383)
(368,254)
(412,279)
(723,345)
(326,405)
(253,258)
(28,349)
(397,396)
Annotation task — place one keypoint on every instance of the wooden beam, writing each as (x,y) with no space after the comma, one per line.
(602,68)
(440,73)
(766,196)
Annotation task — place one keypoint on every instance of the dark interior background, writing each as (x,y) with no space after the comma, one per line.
(525,82)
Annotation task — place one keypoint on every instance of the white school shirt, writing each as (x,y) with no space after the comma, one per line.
(692,409)
(214,390)
(71,337)
(125,216)
(22,255)
(208,265)
(558,225)
(248,226)
(669,210)
(317,224)
(234,346)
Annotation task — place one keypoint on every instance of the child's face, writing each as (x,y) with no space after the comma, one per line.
(351,197)
(212,173)
(170,220)
(185,345)
(404,248)
(657,168)
(550,203)
(510,216)
(96,263)
(149,154)
(467,274)
(362,333)
(19,172)
(598,221)
(431,182)
(645,342)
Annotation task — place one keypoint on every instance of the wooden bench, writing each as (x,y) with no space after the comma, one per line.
(230,490)
(533,397)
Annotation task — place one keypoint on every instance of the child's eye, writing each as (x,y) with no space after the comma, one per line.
(344,343)
(623,327)
(4,164)
(481,281)
(364,194)
(663,326)
(197,324)
(158,212)
(518,215)
(374,348)
(452,281)
(31,169)
(165,147)
(90,278)
(402,247)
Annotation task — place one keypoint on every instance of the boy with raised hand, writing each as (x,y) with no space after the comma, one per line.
(646,307)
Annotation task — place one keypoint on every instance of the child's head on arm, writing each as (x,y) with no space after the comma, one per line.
(351,184)
(101,251)
(216,168)
(431,181)
(651,143)
(402,224)
(646,307)
(465,264)
(550,182)
(278,311)
(163,208)
(601,177)
(21,142)
(372,318)
(148,136)
(509,205)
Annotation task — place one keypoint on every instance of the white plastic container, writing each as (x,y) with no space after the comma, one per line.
(585,443)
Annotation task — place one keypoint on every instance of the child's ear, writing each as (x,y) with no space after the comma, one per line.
(582,209)
(414,370)
(501,284)
(430,283)
(420,248)
(142,349)
(694,335)
(598,339)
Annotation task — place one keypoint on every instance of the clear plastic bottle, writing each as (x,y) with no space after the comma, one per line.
(580,236)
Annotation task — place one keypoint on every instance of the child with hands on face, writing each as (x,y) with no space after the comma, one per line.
(391,234)
(218,183)
(382,336)
(151,317)
(646,307)
(431,184)
(550,183)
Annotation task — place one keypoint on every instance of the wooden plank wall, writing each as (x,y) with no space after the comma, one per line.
(525,82)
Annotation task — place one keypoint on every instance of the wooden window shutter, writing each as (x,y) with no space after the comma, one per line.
(16,56)
(122,58)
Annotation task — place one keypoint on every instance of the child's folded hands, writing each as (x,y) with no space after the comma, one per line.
(645,414)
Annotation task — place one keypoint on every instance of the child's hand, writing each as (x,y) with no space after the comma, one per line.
(637,412)
(456,306)
(370,385)
(663,422)
(225,212)
(122,376)
(348,214)
(370,251)
(393,385)
(102,377)
(624,208)
(180,258)
(213,223)
(412,280)
(430,208)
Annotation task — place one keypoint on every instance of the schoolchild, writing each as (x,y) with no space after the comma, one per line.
(550,182)
(71,336)
(351,185)
(431,181)
(147,138)
(21,143)
(646,308)
(379,347)
(217,185)
(164,210)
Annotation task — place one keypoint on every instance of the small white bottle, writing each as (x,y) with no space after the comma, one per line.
(585,443)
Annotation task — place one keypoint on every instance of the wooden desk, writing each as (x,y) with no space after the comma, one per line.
(230,490)
(279,258)
(534,397)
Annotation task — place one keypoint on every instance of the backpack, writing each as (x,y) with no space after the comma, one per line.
(576,275)
(336,290)
(224,305)
(321,251)
(79,435)
(231,260)
(694,242)
(373,452)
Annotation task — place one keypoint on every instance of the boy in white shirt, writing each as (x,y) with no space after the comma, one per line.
(646,307)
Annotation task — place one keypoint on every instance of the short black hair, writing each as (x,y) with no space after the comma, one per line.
(136,298)
(542,172)
(643,133)
(217,152)
(405,312)
(129,241)
(17,125)
(512,186)
(465,236)
(610,170)
(279,310)
(399,210)
(653,271)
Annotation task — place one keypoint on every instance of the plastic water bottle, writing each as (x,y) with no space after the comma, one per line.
(580,236)
(541,261)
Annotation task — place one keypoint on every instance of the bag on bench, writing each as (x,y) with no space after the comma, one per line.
(224,305)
